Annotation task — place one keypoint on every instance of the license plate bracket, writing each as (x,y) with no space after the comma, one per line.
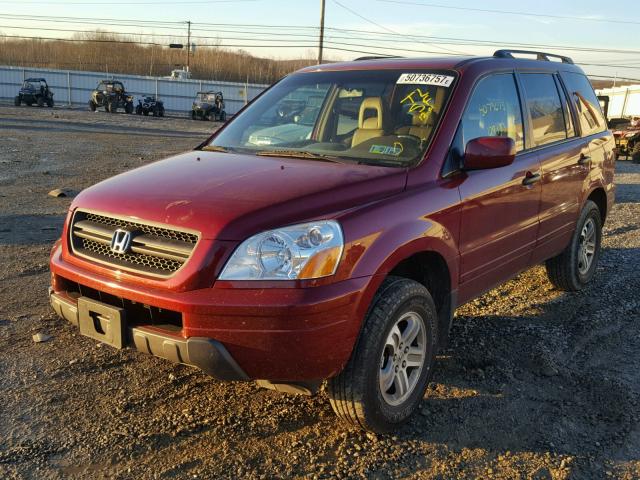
(101,322)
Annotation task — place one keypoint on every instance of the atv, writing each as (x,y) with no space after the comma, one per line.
(150,104)
(35,90)
(111,95)
(209,106)
(627,138)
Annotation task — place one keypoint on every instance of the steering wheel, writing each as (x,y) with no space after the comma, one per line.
(409,136)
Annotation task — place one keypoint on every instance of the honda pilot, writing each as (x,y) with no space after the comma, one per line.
(339,255)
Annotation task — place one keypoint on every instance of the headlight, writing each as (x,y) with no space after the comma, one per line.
(308,250)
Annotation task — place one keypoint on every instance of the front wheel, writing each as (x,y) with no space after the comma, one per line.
(40,101)
(50,103)
(392,362)
(92,106)
(128,108)
(17,101)
(572,269)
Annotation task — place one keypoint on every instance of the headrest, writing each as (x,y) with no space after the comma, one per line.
(371,123)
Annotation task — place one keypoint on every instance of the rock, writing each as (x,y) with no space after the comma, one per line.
(58,192)
(41,337)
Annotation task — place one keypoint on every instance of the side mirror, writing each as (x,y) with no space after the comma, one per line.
(489,152)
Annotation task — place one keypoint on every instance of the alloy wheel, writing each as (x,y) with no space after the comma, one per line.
(403,358)
(586,246)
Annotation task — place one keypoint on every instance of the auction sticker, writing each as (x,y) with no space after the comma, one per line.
(426,79)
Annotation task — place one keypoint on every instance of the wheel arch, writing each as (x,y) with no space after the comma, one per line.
(599,197)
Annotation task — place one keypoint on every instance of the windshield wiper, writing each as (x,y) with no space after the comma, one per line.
(382,163)
(215,148)
(297,154)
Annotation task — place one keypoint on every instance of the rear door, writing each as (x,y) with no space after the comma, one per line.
(499,220)
(564,160)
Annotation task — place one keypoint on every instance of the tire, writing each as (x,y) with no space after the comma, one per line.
(50,103)
(145,113)
(92,106)
(138,110)
(17,101)
(162,112)
(223,116)
(569,271)
(40,102)
(635,155)
(193,115)
(355,393)
(128,108)
(29,103)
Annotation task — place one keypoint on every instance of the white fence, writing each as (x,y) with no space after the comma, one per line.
(623,101)
(73,88)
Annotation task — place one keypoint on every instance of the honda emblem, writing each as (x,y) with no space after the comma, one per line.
(121,241)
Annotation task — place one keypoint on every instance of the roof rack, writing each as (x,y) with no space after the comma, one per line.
(377,57)
(506,53)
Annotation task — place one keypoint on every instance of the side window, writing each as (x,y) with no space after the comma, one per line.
(494,111)
(586,103)
(545,108)
(568,120)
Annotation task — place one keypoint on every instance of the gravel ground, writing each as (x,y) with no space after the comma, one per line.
(537,384)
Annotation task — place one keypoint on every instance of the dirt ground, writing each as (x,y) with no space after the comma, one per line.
(536,384)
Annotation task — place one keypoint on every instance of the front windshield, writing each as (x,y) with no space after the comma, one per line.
(385,117)
(207,97)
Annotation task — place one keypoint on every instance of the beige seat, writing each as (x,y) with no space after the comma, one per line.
(370,127)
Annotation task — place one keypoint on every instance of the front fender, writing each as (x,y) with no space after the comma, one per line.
(380,235)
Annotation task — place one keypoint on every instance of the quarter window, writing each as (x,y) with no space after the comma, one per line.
(587,106)
(494,111)
(544,107)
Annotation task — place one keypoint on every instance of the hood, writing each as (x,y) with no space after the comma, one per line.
(232,196)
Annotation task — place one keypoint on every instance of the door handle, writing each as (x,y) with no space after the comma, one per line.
(583,159)
(531,178)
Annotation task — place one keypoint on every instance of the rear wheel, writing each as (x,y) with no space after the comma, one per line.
(50,103)
(193,115)
(392,362)
(40,101)
(162,112)
(576,265)
(17,101)
(92,106)
(128,108)
(635,155)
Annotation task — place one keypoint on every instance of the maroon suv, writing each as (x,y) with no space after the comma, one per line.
(330,230)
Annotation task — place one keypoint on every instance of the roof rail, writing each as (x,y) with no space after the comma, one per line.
(507,53)
(376,57)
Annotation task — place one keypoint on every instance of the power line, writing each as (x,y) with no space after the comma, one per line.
(511,12)
(382,26)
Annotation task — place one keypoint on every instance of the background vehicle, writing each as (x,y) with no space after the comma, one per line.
(627,137)
(342,256)
(149,104)
(35,90)
(209,106)
(111,95)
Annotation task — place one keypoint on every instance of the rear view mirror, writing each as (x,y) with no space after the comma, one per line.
(489,152)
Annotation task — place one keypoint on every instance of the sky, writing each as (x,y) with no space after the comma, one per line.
(396,26)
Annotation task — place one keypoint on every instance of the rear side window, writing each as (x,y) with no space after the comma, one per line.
(545,108)
(494,111)
(586,103)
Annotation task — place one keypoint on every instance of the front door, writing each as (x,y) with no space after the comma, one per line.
(500,206)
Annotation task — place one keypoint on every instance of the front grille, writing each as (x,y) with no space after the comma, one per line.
(153,250)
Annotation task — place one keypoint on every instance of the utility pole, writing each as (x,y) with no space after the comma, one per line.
(188,43)
(321,31)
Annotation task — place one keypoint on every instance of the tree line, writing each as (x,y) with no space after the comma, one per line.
(112,54)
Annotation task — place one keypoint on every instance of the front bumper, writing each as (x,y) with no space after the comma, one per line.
(207,354)
(275,334)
